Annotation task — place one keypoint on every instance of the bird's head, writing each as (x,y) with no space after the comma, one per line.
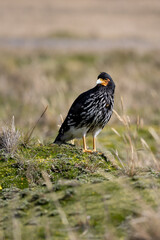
(104,79)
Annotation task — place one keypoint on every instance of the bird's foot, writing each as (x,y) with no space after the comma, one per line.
(89,151)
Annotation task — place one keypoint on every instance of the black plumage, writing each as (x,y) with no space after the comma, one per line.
(89,113)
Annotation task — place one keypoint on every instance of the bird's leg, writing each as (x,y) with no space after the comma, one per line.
(84,145)
(94,144)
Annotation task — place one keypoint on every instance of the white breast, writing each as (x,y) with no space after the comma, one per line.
(74,133)
(97,131)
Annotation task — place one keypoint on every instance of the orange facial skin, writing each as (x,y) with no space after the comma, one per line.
(104,82)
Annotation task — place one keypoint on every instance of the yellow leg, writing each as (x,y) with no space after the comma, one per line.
(85,146)
(94,144)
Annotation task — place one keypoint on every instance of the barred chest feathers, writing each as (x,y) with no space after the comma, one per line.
(97,110)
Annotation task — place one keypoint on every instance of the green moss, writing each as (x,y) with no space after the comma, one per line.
(64,162)
(88,207)
(41,234)
(90,192)
(11,174)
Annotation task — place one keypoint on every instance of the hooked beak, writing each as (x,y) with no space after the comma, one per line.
(103,82)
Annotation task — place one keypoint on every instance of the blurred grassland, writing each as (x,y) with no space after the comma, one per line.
(137,20)
(50,191)
(32,80)
(100,199)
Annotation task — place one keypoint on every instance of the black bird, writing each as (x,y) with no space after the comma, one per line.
(89,113)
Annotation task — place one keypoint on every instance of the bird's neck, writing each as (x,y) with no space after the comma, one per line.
(105,88)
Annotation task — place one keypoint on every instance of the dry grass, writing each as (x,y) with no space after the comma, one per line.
(28,135)
(71,234)
(127,146)
(138,20)
(9,138)
(139,154)
(31,81)
(146,227)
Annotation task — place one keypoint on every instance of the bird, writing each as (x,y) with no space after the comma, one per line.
(89,113)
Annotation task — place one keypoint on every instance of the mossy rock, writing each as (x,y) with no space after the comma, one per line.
(60,162)
(87,192)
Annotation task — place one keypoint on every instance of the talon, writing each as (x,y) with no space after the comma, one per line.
(87,150)
(85,146)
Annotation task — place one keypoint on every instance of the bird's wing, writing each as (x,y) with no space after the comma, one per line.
(84,109)
(79,112)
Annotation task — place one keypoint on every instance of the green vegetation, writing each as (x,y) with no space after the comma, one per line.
(65,162)
(97,197)
(30,81)
(91,192)
(58,192)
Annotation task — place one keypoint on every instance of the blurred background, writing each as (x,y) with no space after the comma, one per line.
(51,51)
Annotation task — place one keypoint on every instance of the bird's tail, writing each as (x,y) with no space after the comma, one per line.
(59,140)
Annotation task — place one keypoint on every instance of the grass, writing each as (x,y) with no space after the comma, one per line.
(9,138)
(56,79)
(142,227)
(66,162)
(139,154)
(53,187)
(49,191)
(88,208)
(108,20)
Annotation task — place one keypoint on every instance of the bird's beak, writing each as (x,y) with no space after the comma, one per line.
(103,82)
